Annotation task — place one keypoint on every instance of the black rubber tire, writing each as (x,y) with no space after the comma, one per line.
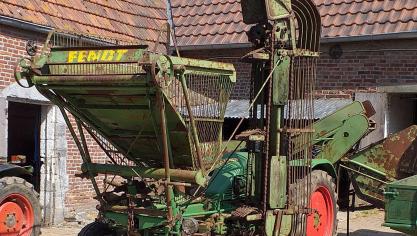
(322,178)
(97,229)
(10,185)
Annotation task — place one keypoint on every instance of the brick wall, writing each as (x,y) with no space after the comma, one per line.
(362,67)
(80,191)
(12,48)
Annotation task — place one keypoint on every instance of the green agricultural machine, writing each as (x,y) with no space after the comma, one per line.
(158,119)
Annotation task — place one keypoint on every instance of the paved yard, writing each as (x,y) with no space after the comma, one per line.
(363,223)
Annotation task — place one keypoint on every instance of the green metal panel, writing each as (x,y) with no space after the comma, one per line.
(329,124)
(345,137)
(280,82)
(278,185)
(138,101)
(222,178)
(401,205)
(147,222)
(112,90)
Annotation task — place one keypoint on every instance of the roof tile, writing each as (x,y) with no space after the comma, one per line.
(204,22)
(138,21)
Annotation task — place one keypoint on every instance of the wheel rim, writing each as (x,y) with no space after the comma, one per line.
(320,222)
(16,216)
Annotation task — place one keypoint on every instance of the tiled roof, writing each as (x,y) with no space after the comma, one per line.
(129,20)
(367,17)
(204,22)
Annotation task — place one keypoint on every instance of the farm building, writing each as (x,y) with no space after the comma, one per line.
(365,46)
(29,125)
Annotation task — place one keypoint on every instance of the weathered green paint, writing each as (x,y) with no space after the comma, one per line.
(210,67)
(270,223)
(270,218)
(121,54)
(346,136)
(388,160)
(147,222)
(222,178)
(123,93)
(392,156)
(372,169)
(120,219)
(330,124)
(280,81)
(119,100)
(286,225)
(277,185)
(401,205)
(269,178)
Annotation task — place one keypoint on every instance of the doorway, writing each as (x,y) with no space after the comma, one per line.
(23,141)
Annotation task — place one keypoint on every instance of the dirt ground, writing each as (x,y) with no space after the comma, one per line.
(363,222)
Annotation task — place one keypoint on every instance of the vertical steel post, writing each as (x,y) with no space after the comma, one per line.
(165,153)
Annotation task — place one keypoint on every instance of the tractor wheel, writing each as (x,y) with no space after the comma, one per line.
(20,211)
(323,201)
(97,228)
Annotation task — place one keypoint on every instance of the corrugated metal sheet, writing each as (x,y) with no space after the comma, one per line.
(205,22)
(322,107)
(139,21)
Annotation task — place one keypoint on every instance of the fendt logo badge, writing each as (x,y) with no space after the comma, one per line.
(96,55)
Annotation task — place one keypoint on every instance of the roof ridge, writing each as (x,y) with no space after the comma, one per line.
(81,23)
(203,3)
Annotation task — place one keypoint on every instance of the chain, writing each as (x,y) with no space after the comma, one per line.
(130,216)
(268,125)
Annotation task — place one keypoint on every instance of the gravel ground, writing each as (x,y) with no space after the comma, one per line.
(363,222)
